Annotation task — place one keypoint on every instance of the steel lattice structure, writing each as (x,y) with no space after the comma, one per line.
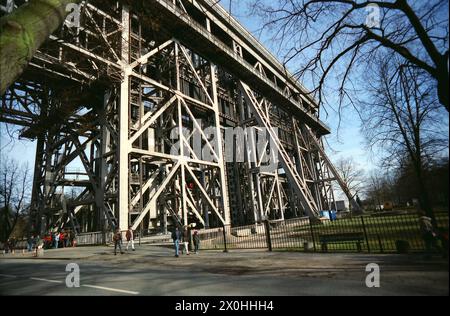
(136,79)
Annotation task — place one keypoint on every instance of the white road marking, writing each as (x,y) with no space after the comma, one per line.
(8,276)
(45,280)
(110,289)
(85,285)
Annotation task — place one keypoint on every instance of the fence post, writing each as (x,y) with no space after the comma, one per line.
(140,233)
(268,239)
(312,234)
(225,239)
(380,243)
(365,233)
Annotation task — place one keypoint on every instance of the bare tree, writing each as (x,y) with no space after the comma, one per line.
(14,195)
(351,174)
(338,36)
(404,119)
(374,189)
(380,187)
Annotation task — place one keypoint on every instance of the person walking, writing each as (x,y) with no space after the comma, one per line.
(196,238)
(428,234)
(117,241)
(30,243)
(130,238)
(443,237)
(12,245)
(55,240)
(34,241)
(48,241)
(66,238)
(72,238)
(186,239)
(176,236)
(62,240)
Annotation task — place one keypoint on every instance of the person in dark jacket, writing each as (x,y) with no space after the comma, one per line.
(130,238)
(176,236)
(117,241)
(443,236)
(12,244)
(196,238)
(428,234)
(30,243)
(186,239)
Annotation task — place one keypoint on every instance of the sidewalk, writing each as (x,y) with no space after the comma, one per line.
(70,253)
(152,270)
(240,261)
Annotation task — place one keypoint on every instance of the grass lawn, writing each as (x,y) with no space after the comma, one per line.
(381,234)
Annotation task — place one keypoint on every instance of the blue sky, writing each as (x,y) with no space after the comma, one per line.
(345,142)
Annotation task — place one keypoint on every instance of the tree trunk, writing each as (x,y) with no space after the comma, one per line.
(23,32)
(424,199)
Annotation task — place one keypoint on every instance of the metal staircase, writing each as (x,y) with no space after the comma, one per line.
(71,216)
(175,216)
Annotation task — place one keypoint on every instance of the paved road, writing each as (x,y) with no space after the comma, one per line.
(153,271)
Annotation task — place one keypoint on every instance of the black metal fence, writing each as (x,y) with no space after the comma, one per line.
(373,234)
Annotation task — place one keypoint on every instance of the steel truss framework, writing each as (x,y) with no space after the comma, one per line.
(136,79)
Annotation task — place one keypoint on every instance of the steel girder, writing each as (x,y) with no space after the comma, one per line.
(116,94)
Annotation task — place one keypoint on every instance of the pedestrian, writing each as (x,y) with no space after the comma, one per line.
(428,234)
(56,240)
(72,238)
(12,245)
(30,243)
(176,236)
(61,239)
(48,241)
(186,239)
(34,241)
(40,245)
(66,238)
(196,238)
(7,246)
(130,238)
(443,237)
(117,241)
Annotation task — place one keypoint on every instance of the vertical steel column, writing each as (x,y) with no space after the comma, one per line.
(101,160)
(280,197)
(37,200)
(183,197)
(248,164)
(205,206)
(123,121)
(219,149)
